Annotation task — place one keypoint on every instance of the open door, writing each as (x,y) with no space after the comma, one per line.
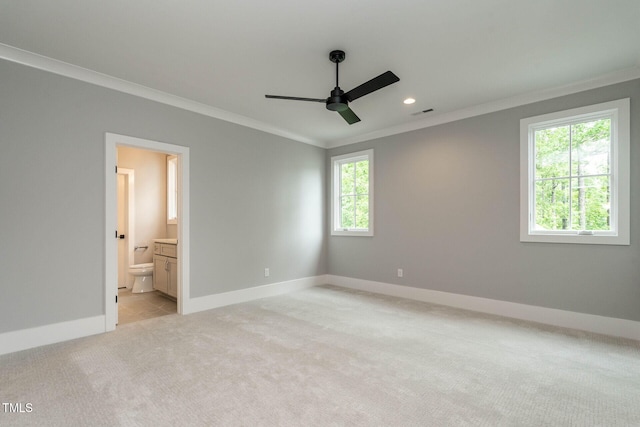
(123,257)
(125,230)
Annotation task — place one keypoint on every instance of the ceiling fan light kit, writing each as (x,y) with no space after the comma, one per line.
(339,100)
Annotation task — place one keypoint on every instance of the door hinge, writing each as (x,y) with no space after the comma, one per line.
(116,299)
(116,168)
(116,234)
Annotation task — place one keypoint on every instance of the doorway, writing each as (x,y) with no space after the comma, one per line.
(139,295)
(112,237)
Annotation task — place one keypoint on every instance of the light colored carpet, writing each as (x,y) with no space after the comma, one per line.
(328,356)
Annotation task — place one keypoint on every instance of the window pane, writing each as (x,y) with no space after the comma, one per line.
(552,205)
(347,181)
(347,212)
(590,203)
(362,177)
(362,212)
(590,147)
(552,152)
(352,193)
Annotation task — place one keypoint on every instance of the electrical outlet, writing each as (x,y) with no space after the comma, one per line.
(400,272)
(266,272)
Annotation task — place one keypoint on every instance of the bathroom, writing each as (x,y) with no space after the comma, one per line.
(143,219)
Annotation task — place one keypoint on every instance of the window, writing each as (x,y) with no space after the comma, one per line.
(574,175)
(352,194)
(172,189)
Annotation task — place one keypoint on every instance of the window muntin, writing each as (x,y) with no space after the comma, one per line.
(575,175)
(352,198)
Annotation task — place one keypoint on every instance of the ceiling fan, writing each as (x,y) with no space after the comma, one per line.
(339,99)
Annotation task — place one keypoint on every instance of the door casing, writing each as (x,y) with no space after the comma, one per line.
(112,141)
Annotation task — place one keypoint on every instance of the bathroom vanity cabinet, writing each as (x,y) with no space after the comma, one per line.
(165,268)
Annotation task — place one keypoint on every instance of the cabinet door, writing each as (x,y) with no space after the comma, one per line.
(169,250)
(172,273)
(160,273)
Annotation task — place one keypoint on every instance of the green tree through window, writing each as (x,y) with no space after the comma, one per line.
(573,176)
(352,194)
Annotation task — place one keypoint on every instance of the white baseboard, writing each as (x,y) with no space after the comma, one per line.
(550,316)
(58,332)
(49,334)
(243,295)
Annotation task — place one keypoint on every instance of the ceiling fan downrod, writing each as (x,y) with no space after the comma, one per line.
(336,102)
(337,56)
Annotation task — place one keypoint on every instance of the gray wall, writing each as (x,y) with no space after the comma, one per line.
(447,211)
(257,200)
(447,206)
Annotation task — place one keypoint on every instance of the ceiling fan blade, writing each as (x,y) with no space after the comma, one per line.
(295,98)
(384,79)
(349,116)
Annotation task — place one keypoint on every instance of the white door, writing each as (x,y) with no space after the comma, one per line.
(123,252)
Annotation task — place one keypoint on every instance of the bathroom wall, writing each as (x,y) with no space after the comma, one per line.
(172,231)
(150,171)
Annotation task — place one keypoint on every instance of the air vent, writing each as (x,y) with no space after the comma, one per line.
(422,112)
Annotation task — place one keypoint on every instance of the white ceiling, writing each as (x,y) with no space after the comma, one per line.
(450,55)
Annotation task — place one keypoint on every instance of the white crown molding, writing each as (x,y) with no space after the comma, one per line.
(549,316)
(490,107)
(65,69)
(55,66)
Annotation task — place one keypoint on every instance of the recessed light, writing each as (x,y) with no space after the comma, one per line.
(409,101)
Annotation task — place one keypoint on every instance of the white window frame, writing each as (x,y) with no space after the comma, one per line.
(172,190)
(619,112)
(336,162)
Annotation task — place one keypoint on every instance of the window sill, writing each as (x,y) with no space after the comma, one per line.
(575,239)
(368,233)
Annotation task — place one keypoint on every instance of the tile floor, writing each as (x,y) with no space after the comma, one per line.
(134,307)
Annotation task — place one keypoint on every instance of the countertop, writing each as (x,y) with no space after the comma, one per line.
(169,241)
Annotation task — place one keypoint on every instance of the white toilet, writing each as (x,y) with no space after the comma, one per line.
(143,277)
